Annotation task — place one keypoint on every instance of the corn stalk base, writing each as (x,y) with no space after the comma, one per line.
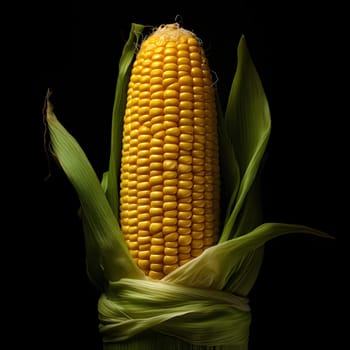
(157,341)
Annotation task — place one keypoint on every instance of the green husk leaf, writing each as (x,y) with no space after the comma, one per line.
(214,267)
(111,177)
(108,257)
(248,124)
(249,218)
(230,174)
(198,316)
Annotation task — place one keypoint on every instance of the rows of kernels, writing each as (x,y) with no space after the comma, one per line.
(168,160)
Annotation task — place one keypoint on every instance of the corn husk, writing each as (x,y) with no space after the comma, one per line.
(203,304)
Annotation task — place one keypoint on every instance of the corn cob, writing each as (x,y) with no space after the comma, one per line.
(170,181)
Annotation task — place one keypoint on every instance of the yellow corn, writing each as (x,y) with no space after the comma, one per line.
(170,181)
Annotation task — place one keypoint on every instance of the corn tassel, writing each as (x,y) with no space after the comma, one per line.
(199,303)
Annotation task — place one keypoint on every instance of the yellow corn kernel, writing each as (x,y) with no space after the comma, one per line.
(169,175)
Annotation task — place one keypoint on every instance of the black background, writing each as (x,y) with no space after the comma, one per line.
(75,50)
